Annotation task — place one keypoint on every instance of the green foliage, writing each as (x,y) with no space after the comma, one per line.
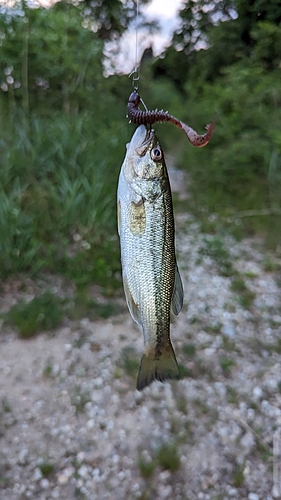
(57,199)
(230,176)
(236,178)
(5,406)
(85,306)
(232,395)
(79,399)
(270,265)
(168,457)
(189,350)
(62,144)
(238,476)
(213,246)
(226,365)
(45,53)
(46,468)
(246,296)
(146,467)
(129,361)
(44,312)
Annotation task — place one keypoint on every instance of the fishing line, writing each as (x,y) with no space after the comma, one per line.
(135,73)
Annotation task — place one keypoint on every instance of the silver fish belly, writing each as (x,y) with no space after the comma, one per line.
(151,280)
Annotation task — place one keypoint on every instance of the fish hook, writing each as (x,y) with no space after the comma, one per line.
(147,117)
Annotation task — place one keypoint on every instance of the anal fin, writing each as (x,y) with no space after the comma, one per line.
(177,297)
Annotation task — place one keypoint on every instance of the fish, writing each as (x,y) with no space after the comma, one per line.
(151,279)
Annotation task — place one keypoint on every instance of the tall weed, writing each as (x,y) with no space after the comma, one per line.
(58,181)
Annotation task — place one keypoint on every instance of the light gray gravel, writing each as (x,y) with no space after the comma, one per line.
(68,403)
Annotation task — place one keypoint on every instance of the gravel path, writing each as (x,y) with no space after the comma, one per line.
(72,425)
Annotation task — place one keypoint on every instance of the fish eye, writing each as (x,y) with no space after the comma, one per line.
(156,154)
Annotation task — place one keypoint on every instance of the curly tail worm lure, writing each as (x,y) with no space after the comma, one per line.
(147,117)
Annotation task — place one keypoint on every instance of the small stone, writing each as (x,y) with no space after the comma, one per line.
(257,392)
(62,479)
(253,496)
(276,493)
(98,382)
(44,483)
(228,330)
(250,414)
(91,423)
(56,369)
(69,471)
(80,456)
(84,322)
(83,471)
(37,475)
(23,454)
(248,442)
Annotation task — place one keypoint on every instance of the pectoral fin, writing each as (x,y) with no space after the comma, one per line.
(132,306)
(177,297)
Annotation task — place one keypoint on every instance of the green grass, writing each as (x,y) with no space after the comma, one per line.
(58,197)
(214,247)
(238,476)
(245,296)
(226,365)
(84,305)
(228,344)
(146,467)
(214,329)
(271,265)
(232,395)
(79,399)
(46,468)
(168,457)
(48,370)
(44,312)
(129,361)
(5,406)
(47,311)
(182,404)
(189,350)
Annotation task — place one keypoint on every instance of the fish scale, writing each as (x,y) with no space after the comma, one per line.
(150,275)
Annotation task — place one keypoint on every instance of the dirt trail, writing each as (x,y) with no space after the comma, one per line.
(72,425)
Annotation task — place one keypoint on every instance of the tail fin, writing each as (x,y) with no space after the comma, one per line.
(157,367)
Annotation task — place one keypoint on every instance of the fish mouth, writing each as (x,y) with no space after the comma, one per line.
(146,143)
(140,141)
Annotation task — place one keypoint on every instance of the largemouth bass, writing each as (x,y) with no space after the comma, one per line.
(151,279)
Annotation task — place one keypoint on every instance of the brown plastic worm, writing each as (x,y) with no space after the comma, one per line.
(139,117)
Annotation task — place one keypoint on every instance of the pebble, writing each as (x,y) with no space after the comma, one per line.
(44,483)
(23,456)
(62,479)
(257,392)
(228,330)
(83,471)
(253,496)
(248,441)
(37,474)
